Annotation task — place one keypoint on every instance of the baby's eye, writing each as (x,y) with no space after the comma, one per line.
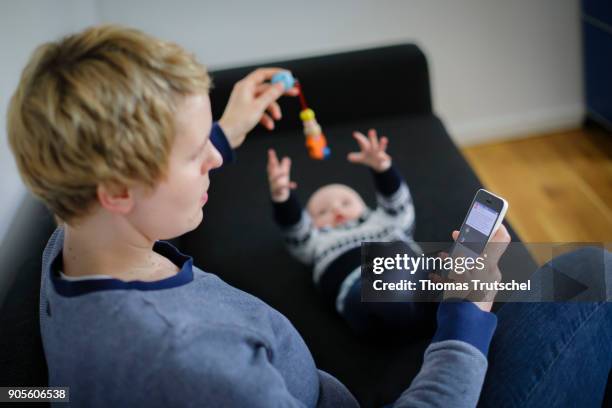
(322,212)
(346,203)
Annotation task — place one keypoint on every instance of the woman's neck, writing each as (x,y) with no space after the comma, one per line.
(99,245)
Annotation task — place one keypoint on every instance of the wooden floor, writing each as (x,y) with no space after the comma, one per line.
(559,186)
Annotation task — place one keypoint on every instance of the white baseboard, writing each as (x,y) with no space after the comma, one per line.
(516,126)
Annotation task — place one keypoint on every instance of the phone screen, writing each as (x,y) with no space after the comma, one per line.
(477,227)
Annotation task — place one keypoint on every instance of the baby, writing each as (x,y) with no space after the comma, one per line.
(329,233)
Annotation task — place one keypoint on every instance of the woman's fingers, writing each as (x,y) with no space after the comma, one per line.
(261,88)
(266,121)
(435,277)
(269,96)
(292,92)
(501,235)
(263,74)
(275,111)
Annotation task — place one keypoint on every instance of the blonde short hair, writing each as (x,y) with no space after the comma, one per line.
(97,107)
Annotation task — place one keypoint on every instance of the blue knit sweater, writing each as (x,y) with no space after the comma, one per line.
(193,340)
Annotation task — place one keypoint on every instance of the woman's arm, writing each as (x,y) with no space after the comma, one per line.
(219,140)
(455,362)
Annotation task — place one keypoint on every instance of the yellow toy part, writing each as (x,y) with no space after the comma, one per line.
(307,114)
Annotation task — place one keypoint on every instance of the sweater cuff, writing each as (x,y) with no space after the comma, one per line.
(387,182)
(289,212)
(219,140)
(464,321)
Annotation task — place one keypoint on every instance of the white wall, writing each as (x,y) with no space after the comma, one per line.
(23,26)
(498,68)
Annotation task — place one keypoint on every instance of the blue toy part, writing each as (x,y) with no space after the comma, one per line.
(326,152)
(285,77)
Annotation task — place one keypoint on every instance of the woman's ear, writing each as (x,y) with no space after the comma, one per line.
(115,198)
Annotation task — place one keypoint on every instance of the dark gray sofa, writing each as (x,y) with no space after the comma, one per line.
(385,88)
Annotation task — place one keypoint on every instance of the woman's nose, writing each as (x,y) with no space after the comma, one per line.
(215,160)
(218,159)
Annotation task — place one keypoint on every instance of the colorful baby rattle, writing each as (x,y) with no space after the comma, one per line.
(316,144)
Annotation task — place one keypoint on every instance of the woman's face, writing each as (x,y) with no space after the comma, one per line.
(175,205)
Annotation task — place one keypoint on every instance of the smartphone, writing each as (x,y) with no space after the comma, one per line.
(481,222)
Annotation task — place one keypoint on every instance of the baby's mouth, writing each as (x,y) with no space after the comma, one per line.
(339,219)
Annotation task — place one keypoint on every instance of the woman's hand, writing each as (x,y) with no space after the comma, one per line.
(490,273)
(279,177)
(373,152)
(252,101)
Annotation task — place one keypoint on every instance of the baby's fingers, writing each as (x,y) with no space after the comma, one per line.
(363,142)
(286,164)
(355,157)
(373,138)
(283,183)
(384,142)
(272,159)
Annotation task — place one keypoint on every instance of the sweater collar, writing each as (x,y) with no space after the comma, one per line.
(76,288)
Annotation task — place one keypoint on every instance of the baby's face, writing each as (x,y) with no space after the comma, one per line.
(334,204)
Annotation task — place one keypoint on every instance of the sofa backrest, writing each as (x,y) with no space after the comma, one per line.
(22,359)
(370,93)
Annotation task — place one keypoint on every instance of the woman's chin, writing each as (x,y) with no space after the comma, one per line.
(194,221)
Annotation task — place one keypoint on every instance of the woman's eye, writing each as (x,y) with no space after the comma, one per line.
(199,154)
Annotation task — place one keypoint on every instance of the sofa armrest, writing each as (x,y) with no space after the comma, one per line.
(365,83)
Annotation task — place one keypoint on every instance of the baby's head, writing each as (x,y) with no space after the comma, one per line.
(334,204)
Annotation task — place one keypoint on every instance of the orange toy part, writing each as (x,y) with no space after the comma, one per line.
(317,146)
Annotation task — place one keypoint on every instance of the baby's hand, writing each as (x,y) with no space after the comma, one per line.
(278,177)
(373,152)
